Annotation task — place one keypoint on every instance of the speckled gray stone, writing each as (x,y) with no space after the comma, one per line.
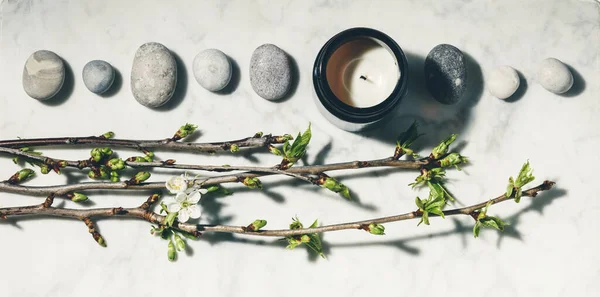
(98,76)
(554,76)
(446,73)
(270,72)
(212,69)
(153,75)
(43,75)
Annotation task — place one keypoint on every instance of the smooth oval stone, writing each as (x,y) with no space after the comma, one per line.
(554,76)
(98,76)
(43,75)
(446,73)
(503,82)
(270,72)
(212,69)
(153,75)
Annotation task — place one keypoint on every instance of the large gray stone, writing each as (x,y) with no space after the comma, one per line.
(98,76)
(212,69)
(270,72)
(43,75)
(446,73)
(153,75)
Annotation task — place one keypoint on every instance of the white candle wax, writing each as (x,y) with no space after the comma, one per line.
(362,72)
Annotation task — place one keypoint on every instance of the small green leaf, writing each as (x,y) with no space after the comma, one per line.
(296,224)
(185,131)
(510,187)
(525,175)
(419,203)
(518,195)
(163,207)
(179,243)
(408,137)
(171,251)
(442,148)
(453,159)
(275,151)
(170,218)
(493,222)
(476,229)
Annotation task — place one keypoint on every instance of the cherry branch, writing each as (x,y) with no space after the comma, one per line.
(143,213)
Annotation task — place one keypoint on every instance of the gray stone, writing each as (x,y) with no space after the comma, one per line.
(153,75)
(212,69)
(554,76)
(503,82)
(98,76)
(270,72)
(446,73)
(43,75)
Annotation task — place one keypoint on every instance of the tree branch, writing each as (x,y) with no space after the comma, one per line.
(154,218)
(165,144)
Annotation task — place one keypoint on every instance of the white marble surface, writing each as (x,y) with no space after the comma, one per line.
(551,248)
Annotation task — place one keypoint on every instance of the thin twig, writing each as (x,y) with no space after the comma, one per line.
(298,172)
(144,214)
(165,144)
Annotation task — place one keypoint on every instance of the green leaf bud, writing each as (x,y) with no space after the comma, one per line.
(252,182)
(179,243)
(442,148)
(376,229)
(171,251)
(78,197)
(234,148)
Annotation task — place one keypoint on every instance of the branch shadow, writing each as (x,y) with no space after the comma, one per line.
(537,204)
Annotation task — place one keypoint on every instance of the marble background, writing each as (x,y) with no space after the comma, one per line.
(550,249)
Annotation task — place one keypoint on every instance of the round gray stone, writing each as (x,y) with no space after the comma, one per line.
(43,75)
(270,72)
(153,75)
(503,82)
(446,73)
(212,69)
(554,76)
(98,76)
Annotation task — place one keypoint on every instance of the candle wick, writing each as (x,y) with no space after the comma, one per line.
(363,77)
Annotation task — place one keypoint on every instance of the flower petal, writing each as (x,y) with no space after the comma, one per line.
(203,191)
(174,207)
(194,197)
(194,211)
(181,197)
(184,215)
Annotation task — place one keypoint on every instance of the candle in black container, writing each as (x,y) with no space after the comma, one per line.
(359,76)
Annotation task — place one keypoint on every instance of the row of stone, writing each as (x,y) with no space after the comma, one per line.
(154,73)
(446,76)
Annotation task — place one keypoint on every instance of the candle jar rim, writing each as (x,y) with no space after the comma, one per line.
(336,106)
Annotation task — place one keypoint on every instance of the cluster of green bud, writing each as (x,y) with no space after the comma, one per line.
(115,164)
(99,173)
(99,153)
(376,229)
(148,157)
(184,131)
(295,151)
(21,176)
(108,135)
(434,204)
(77,197)
(335,186)
(234,148)
(453,159)
(139,177)
(442,148)
(256,225)
(252,183)
(483,220)
(515,186)
(311,240)
(435,175)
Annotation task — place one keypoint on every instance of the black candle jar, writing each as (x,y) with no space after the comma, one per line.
(339,112)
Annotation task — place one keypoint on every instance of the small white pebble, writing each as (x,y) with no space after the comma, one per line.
(503,82)
(554,76)
(212,69)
